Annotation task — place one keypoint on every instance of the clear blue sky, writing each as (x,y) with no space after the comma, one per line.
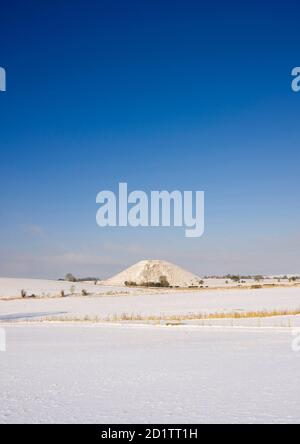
(162,95)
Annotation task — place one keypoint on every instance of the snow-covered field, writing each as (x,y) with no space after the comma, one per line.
(216,370)
(155,304)
(12,287)
(145,374)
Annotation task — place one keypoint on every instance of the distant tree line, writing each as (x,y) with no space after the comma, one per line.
(71,278)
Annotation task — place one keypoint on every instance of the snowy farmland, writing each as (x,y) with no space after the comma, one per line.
(73,359)
(116,302)
(145,374)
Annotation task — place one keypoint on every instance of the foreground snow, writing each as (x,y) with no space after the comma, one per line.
(139,374)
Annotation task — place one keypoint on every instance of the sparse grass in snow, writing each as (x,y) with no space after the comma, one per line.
(176,317)
(202,316)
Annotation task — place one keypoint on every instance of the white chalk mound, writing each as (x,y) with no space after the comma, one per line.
(147,271)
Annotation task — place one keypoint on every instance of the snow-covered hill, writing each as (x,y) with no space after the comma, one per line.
(152,271)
